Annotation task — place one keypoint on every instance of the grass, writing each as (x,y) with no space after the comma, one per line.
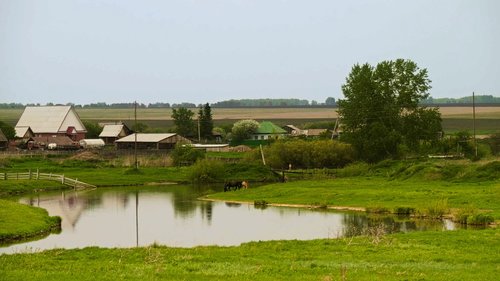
(451,255)
(18,221)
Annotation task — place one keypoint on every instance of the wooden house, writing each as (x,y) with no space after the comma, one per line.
(51,121)
(112,132)
(24,133)
(268,130)
(150,141)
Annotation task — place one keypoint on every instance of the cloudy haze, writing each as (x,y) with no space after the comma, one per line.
(200,51)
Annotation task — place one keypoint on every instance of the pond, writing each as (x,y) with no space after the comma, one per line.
(171,215)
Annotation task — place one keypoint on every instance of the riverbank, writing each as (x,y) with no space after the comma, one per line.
(449,255)
(19,222)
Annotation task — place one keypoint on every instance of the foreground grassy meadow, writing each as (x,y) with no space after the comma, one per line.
(452,255)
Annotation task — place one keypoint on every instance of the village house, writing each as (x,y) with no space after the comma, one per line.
(112,132)
(150,141)
(24,133)
(268,130)
(51,121)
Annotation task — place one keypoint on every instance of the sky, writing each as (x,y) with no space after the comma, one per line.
(173,51)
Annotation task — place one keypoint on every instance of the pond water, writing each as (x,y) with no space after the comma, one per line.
(171,215)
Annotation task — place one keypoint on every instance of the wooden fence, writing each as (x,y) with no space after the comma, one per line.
(75,183)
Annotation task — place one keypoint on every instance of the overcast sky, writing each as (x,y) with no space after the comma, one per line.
(199,51)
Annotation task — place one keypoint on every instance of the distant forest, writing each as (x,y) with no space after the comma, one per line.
(329,102)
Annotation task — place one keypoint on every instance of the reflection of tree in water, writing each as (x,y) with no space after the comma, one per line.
(185,203)
(362,224)
(206,211)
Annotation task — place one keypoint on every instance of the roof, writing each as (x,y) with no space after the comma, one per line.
(3,138)
(22,131)
(267,127)
(141,137)
(59,140)
(50,119)
(315,132)
(111,131)
(92,142)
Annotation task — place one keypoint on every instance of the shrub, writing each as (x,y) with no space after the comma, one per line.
(186,155)
(377,210)
(404,210)
(305,154)
(207,170)
(437,209)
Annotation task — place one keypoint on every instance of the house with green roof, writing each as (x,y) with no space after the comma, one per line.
(268,130)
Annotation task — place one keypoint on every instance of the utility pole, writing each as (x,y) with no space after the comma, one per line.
(135,136)
(199,130)
(474,123)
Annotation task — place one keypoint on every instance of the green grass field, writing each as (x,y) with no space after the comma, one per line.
(451,255)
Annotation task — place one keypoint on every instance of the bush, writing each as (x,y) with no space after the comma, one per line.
(206,170)
(304,154)
(437,209)
(404,210)
(186,155)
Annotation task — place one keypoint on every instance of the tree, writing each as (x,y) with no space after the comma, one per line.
(8,130)
(205,121)
(330,101)
(381,109)
(93,129)
(183,120)
(243,129)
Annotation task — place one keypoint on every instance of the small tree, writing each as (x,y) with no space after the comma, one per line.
(93,129)
(186,154)
(205,121)
(183,120)
(243,129)
(8,130)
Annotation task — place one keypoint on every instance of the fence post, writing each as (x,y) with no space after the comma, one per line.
(5,176)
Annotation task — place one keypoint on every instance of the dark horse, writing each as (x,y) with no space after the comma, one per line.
(235,185)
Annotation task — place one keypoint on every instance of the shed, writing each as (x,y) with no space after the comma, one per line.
(55,142)
(112,132)
(292,130)
(92,143)
(48,121)
(150,141)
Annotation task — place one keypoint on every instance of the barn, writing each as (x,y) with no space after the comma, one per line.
(150,141)
(52,121)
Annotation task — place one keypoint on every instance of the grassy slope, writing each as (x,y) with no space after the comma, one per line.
(374,192)
(452,255)
(21,221)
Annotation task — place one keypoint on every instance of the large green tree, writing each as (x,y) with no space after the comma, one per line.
(183,120)
(243,129)
(381,111)
(205,121)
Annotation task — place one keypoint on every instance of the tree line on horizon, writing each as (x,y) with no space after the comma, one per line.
(235,103)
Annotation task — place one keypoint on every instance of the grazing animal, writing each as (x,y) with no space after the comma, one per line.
(235,185)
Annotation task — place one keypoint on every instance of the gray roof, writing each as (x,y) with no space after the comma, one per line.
(111,131)
(50,119)
(146,137)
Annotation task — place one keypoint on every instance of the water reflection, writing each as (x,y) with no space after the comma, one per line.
(171,215)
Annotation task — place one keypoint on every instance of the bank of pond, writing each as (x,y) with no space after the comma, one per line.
(173,215)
